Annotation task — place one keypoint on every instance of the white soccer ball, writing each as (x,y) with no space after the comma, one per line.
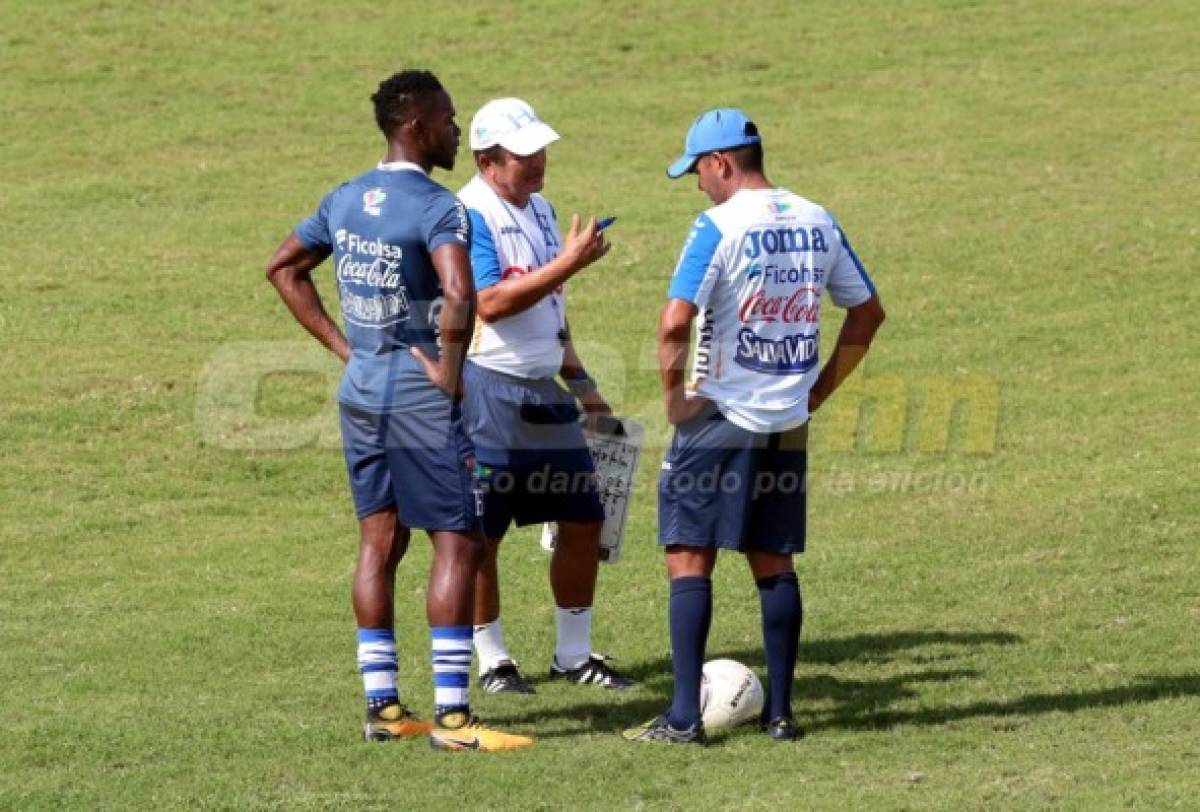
(730,695)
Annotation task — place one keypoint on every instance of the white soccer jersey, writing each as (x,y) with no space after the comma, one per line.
(755,266)
(507,241)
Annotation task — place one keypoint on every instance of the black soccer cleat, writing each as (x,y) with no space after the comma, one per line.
(783,729)
(505,678)
(659,729)
(596,671)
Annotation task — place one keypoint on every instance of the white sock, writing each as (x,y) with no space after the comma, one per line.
(489,645)
(574,637)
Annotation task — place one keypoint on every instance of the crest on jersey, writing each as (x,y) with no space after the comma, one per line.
(780,206)
(372,200)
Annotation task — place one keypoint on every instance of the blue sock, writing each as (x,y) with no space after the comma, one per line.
(782,617)
(690,616)
(451,673)
(377,664)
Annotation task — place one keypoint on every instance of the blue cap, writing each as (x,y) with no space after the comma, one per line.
(723,128)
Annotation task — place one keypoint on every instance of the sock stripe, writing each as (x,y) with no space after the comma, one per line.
(377,664)
(441,660)
(452,680)
(451,655)
(369,668)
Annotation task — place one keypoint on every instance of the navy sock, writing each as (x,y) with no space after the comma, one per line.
(690,615)
(782,617)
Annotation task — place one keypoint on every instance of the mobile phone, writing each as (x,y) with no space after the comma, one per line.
(605,223)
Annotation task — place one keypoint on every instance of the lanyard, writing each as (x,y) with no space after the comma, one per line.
(516,221)
(537,256)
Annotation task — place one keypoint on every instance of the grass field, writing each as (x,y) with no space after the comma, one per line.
(998,594)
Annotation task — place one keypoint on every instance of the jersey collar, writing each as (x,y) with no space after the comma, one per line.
(399,166)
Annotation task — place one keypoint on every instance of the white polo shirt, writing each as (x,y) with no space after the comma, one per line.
(508,241)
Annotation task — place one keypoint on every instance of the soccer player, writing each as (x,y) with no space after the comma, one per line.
(753,268)
(400,246)
(533,458)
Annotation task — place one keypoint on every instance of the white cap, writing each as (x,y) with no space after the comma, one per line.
(512,124)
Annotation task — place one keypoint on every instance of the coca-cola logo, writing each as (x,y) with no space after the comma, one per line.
(802,305)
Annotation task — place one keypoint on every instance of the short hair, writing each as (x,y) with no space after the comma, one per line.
(495,153)
(748,158)
(399,94)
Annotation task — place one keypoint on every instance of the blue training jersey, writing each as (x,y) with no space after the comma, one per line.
(382,228)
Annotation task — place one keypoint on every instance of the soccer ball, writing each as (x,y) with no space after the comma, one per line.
(730,694)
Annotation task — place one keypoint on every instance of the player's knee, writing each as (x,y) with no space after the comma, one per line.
(579,536)
(767,565)
(474,548)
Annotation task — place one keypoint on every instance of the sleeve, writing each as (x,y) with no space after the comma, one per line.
(313,231)
(848,283)
(445,221)
(697,268)
(485,262)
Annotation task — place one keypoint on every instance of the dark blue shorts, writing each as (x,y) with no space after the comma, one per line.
(534,464)
(723,486)
(418,460)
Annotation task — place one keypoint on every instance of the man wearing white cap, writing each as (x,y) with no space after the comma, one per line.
(532,458)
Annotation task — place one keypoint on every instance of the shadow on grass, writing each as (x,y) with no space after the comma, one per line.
(856,704)
(617,711)
(883,647)
(1143,689)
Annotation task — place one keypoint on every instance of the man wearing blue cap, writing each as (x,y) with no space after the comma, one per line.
(753,268)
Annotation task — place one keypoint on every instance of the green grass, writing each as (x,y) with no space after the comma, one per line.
(175,627)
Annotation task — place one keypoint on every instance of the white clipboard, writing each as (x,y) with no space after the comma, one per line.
(616,445)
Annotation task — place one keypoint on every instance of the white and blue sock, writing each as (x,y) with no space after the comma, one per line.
(451,670)
(377,664)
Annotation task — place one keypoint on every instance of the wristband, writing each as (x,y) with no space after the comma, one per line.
(582,386)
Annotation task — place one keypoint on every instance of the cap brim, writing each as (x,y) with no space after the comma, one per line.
(528,140)
(682,166)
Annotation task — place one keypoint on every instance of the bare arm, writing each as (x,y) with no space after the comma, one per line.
(453,266)
(508,297)
(862,321)
(290,271)
(674,336)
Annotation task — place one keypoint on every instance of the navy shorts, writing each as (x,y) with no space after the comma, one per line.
(419,460)
(723,486)
(534,464)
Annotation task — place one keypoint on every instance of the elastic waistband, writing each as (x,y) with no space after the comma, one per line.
(506,377)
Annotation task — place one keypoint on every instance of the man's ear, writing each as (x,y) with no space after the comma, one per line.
(416,128)
(726,165)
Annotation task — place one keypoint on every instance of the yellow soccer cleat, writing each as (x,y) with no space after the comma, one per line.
(394,722)
(473,735)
